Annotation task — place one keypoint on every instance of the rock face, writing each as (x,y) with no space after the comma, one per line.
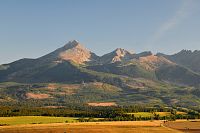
(75,52)
(152,62)
(117,55)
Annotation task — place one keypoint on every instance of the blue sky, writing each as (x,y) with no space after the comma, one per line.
(32,28)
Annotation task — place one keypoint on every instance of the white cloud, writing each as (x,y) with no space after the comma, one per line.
(182,12)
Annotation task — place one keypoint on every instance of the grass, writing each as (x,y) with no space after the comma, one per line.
(163,113)
(35,120)
(148,114)
(181,113)
(168,113)
(142,114)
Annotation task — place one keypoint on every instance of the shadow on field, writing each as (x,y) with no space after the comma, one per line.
(185,126)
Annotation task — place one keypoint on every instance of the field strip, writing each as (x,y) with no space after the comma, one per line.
(97,127)
(113,123)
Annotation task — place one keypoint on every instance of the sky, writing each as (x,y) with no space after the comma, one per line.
(33,28)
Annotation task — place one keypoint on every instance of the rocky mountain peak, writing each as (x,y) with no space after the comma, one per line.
(118,54)
(121,52)
(184,51)
(73,44)
(75,52)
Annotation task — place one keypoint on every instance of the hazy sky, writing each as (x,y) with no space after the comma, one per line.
(32,28)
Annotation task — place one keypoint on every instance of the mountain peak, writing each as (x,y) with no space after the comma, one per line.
(119,49)
(121,52)
(73,44)
(75,52)
(189,52)
(185,51)
(118,54)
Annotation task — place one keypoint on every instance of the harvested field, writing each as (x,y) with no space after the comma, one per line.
(185,126)
(95,127)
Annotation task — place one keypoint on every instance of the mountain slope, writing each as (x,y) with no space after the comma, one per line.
(186,58)
(133,70)
(178,75)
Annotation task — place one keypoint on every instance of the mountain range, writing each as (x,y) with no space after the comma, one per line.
(120,74)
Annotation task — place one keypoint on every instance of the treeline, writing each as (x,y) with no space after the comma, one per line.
(130,117)
(88,113)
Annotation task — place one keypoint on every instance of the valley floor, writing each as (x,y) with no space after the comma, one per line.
(92,127)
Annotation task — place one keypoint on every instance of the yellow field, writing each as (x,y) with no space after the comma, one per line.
(142,114)
(168,113)
(148,114)
(34,120)
(95,127)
